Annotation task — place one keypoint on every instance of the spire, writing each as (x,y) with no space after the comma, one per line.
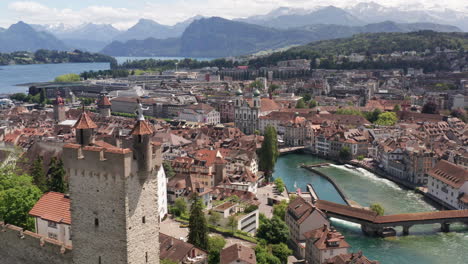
(141,127)
(84,121)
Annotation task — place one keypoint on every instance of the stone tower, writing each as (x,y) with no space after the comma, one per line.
(114,202)
(59,108)
(104,104)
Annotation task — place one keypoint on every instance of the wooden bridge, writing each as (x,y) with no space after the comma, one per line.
(373,224)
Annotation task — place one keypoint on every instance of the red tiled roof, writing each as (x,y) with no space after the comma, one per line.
(238,253)
(449,173)
(84,122)
(142,128)
(104,101)
(53,207)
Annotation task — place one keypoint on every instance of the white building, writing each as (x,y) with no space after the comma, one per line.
(200,113)
(448,183)
(52,217)
(162,193)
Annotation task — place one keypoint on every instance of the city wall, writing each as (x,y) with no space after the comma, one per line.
(24,247)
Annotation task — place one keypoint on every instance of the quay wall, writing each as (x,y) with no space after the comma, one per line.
(337,187)
(25,247)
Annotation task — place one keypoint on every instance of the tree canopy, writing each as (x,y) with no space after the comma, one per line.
(387,119)
(215,245)
(198,229)
(377,208)
(345,153)
(300,104)
(430,108)
(273,231)
(71,77)
(18,195)
(269,152)
(56,182)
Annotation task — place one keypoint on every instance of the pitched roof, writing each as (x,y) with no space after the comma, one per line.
(174,249)
(53,206)
(449,173)
(351,258)
(326,238)
(104,101)
(237,253)
(142,128)
(300,209)
(84,122)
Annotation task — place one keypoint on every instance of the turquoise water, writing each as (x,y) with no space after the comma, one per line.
(12,75)
(425,244)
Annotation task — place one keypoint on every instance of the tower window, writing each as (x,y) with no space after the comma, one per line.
(96,222)
(146,257)
(99,260)
(143,219)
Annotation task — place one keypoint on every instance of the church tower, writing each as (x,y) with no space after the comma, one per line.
(59,108)
(104,104)
(114,201)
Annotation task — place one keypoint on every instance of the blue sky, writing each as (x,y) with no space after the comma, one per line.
(124,13)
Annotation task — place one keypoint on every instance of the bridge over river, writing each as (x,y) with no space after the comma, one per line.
(373,224)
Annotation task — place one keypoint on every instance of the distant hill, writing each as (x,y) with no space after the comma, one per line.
(146,28)
(22,37)
(290,18)
(218,37)
(380,43)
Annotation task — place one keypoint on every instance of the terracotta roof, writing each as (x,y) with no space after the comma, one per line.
(300,209)
(104,101)
(174,249)
(142,128)
(351,258)
(449,173)
(346,210)
(326,238)
(237,253)
(84,122)
(53,207)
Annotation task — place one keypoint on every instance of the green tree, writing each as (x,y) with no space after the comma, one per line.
(168,261)
(300,103)
(387,119)
(345,153)
(68,78)
(273,231)
(373,115)
(168,169)
(430,108)
(215,245)
(360,157)
(214,218)
(264,255)
(181,205)
(269,152)
(279,209)
(377,208)
(232,222)
(307,97)
(198,229)
(18,195)
(56,181)
(279,185)
(397,108)
(312,104)
(38,174)
(42,97)
(273,87)
(281,251)
(459,113)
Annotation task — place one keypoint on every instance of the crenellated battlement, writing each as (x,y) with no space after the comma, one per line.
(112,161)
(20,246)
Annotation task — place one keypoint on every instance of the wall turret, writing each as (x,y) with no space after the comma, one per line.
(59,108)
(104,104)
(84,129)
(142,147)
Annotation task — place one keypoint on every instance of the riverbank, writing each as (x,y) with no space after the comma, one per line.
(425,244)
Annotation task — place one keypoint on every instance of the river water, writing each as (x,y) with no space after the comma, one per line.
(425,244)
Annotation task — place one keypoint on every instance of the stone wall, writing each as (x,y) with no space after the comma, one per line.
(25,247)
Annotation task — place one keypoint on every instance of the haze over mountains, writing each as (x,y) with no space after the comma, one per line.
(214,37)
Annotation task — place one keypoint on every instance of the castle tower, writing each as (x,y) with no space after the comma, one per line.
(115,217)
(59,108)
(84,129)
(104,104)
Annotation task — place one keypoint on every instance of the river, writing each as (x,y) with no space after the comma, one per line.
(425,244)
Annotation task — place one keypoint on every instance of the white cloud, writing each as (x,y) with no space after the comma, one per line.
(174,11)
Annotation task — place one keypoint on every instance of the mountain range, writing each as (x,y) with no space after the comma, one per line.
(218,37)
(197,36)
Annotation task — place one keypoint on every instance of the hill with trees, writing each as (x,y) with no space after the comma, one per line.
(52,56)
